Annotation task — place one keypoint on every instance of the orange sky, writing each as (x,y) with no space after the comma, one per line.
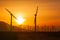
(48,12)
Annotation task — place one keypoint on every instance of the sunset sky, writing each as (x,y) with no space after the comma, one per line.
(48,11)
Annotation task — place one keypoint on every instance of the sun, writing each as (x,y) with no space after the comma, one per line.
(20,20)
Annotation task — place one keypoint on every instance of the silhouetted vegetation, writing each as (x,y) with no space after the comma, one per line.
(23,28)
(4,26)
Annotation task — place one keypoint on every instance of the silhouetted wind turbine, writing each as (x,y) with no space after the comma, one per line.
(11,18)
(35,17)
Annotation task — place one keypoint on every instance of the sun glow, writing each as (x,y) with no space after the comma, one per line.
(20,20)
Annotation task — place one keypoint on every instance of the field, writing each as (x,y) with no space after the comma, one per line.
(29,35)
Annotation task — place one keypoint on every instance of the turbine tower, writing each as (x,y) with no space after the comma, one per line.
(35,17)
(11,18)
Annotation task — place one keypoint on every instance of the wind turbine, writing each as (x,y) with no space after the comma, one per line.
(35,17)
(11,17)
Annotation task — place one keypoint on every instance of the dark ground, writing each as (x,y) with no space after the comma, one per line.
(29,35)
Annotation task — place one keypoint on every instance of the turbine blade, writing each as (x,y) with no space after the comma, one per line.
(36,11)
(10,13)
